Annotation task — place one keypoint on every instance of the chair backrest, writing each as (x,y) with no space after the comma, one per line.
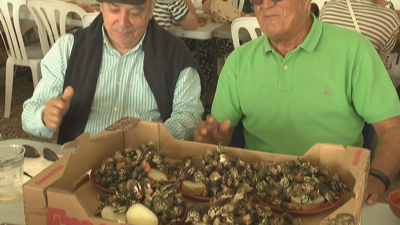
(237,4)
(248,23)
(320,3)
(88,18)
(396,4)
(51,19)
(13,40)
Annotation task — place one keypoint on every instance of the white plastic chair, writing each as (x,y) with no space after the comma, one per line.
(248,23)
(51,18)
(237,4)
(88,18)
(320,3)
(396,4)
(18,53)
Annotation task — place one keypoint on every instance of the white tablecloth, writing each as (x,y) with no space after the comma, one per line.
(201,33)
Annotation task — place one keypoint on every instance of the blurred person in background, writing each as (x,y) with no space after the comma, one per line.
(183,12)
(180,11)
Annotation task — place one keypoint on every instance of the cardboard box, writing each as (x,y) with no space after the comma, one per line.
(62,194)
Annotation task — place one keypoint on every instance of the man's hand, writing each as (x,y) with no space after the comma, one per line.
(207,6)
(375,190)
(56,108)
(211,131)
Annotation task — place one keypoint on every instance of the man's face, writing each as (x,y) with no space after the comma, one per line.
(279,19)
(125,24)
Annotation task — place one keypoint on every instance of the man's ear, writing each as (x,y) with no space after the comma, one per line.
(307,4)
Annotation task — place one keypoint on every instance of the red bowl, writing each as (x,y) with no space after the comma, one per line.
(97,185)
(303,212)
(394,202)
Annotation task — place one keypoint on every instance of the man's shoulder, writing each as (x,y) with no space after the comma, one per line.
(336,38)
(66,39)
(339,33)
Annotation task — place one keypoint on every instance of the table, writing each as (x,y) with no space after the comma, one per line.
(378,214)
(200,33)
(14,212)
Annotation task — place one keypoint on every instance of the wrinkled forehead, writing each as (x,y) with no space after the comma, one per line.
(128,2)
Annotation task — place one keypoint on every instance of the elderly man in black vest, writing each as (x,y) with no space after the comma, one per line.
(123,64)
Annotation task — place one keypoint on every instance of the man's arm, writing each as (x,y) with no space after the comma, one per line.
(387,153)
(386,158)
(187,107)
(226,104)
(53,67)
(375,99)
(184,13)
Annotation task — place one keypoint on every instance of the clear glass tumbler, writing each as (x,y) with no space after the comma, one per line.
(11,172)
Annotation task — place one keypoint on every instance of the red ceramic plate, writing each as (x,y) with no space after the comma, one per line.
(305,212)
(194,197)
(97,185)
(184,215)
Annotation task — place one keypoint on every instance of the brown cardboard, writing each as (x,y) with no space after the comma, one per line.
(61,194)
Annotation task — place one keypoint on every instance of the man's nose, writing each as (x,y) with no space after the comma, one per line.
(269,3)
(123,19)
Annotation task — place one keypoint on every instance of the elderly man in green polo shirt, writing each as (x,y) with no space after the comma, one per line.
(306,82)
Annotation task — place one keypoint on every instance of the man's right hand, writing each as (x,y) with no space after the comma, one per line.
(211,131)
(56,108)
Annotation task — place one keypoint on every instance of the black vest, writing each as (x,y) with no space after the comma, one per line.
(165,57)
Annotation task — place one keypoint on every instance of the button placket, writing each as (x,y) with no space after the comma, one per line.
(118,82)
(285,78)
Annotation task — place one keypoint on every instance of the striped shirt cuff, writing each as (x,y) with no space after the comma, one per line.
(43,130)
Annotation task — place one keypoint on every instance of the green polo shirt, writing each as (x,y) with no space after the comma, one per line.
(321,92)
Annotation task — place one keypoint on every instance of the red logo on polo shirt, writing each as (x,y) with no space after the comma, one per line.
(327,92)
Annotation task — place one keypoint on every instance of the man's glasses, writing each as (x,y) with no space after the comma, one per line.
(259,2)
(31,152)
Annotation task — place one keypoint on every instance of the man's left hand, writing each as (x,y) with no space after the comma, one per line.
(375,190)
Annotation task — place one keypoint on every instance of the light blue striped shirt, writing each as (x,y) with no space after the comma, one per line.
(122,90)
